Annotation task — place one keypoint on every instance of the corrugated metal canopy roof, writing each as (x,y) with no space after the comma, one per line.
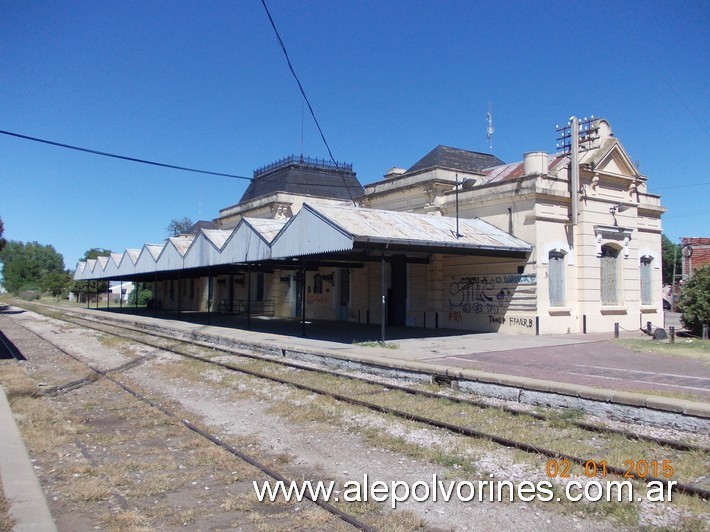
(372,225)
(319,230)
(216,236)
(314,231)
(268,228)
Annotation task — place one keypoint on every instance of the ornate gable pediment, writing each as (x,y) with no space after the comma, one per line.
(615,161)
(612,165)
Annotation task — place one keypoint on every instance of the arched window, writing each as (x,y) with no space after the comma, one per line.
(646,285)
(556,278)
(609,275)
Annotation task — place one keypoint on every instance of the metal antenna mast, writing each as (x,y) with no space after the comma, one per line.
(301,131)
(490,129)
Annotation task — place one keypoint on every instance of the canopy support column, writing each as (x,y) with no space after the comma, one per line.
(303,302)
(248,298)
(209,299)
(384,303)
(154,294)
(179,295)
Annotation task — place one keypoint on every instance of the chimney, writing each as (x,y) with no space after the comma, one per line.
(535,162)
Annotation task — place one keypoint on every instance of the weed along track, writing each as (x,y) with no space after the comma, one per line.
(547,444)
(174,417)
(550,415)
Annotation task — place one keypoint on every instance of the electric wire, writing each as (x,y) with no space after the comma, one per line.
(262,179)
(303,93)
(122,157)
(683,186)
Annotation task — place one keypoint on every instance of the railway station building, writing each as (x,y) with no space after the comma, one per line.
(549,244)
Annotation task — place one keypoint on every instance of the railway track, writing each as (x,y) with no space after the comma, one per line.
(395,400)
(8,349)
(110,375)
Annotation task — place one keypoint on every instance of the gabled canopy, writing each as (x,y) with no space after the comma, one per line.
(325,229)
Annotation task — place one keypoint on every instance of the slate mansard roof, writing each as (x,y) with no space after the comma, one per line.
(304,176)
(455,159)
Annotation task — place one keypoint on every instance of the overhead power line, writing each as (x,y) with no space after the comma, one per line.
(303,93)
(123,157)
(682,186)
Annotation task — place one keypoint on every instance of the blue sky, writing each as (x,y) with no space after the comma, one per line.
(205,85)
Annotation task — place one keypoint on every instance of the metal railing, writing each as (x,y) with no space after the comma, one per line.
(302,161)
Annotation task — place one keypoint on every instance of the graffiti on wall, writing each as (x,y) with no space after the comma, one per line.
(488,295)
(317,299)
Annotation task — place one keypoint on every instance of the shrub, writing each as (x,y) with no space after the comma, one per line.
(143,296)
(30,295)
(694,301)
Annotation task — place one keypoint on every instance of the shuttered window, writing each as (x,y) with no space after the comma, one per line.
(609,276)
(556,278)
(646,291)
(344,287)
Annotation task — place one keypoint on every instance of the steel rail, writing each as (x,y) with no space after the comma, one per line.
(671,444)
(207,435)
(10,347)
(457,429)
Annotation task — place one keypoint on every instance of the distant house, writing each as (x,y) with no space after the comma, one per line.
(123,288)
(695,253)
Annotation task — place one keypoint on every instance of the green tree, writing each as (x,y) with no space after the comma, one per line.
(694,301)
(2,240)
(91,288)
(178,227)
(95,252)
(56,283)
(141,291)
(670,254)
(26,264)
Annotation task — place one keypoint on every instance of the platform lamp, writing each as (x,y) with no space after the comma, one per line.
(617,208)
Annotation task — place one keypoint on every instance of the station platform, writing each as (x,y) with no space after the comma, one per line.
(592,361)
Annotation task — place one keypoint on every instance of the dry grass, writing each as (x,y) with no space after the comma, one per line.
(556,434)
(42,427)
(114,342)
(183,517)
(15,381)
(456,454)
(400,521)
(6,520)
(241,502)
(683,347)
(126,521)
(316,518)
(89,489)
